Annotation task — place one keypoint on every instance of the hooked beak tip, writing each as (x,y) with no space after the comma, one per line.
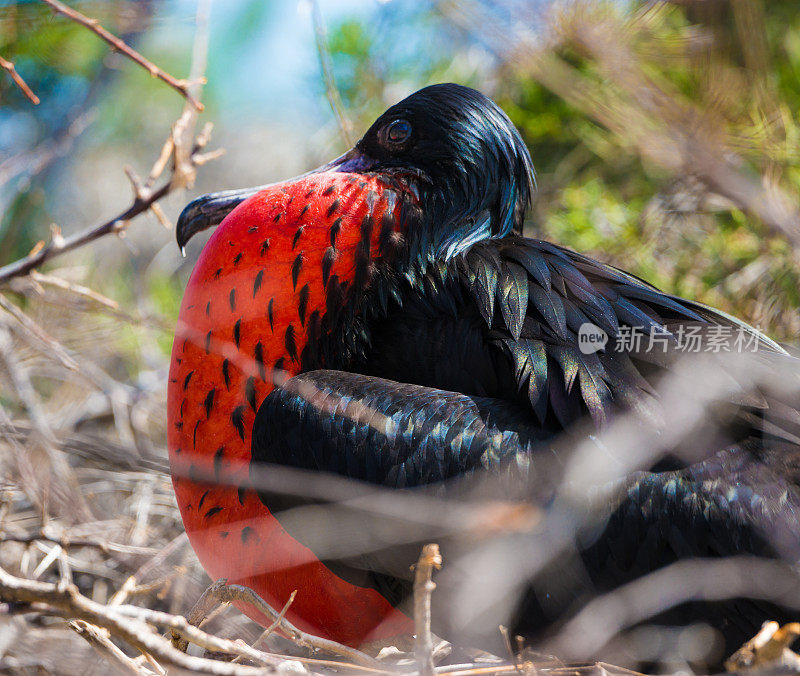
(208,211)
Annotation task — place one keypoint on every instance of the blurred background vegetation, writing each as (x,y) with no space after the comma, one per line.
(729,67)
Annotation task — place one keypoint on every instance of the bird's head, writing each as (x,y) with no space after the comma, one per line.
(453,146)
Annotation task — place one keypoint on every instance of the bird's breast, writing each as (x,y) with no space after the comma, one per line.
(269,283)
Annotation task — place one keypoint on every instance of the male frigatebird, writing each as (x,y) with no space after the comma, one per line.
(381,318)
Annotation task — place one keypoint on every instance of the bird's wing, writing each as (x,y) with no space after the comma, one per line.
(384,432)
(714,519)
(741,501)
(542,303)
(393,435)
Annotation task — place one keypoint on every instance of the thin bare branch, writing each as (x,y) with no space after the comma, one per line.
(185,161)
(278,620)
(98,639)
(51,345)
(77,289)
(66,542)
(8,66)
(221,592)
(429,559)
(271,628)
(197,636)
(131,625)
(121,595)
(60,245)
(331,90)
(67,485)
(181,86)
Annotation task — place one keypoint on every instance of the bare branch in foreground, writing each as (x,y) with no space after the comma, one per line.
(429,559)
(278,620)
(66,488)
(8,66)
(181,86)
(133,625)
(76,289)
(609,614)
(770,646)
(143,201)
(98,639)
(136,626)
(221,592)
(65,542)
(38,334)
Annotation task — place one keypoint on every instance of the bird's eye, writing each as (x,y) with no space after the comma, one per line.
(397,133)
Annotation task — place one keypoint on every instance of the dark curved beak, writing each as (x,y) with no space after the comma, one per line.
(210,210)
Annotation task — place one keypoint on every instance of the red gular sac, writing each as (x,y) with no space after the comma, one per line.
(263,296)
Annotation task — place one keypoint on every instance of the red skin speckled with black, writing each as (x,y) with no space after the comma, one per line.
(247,306)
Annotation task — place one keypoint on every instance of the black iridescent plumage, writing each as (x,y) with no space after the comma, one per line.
(462,353)
(474,173)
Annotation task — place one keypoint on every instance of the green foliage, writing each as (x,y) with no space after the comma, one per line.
(401,48)
(733,67)
(45,46)
(599,194)
(66,66)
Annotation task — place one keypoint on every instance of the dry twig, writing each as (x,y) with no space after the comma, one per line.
(221,592)
(181,86)
(65,542)
(429,559)
(77,289)
(331,90)
(144,198)
(181,146)
(279,619)
(98,639)
(8,66)
(770,647)
(32,329)
(67,487)
(132,625)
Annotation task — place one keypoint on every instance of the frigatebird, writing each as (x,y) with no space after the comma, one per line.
(382,319)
